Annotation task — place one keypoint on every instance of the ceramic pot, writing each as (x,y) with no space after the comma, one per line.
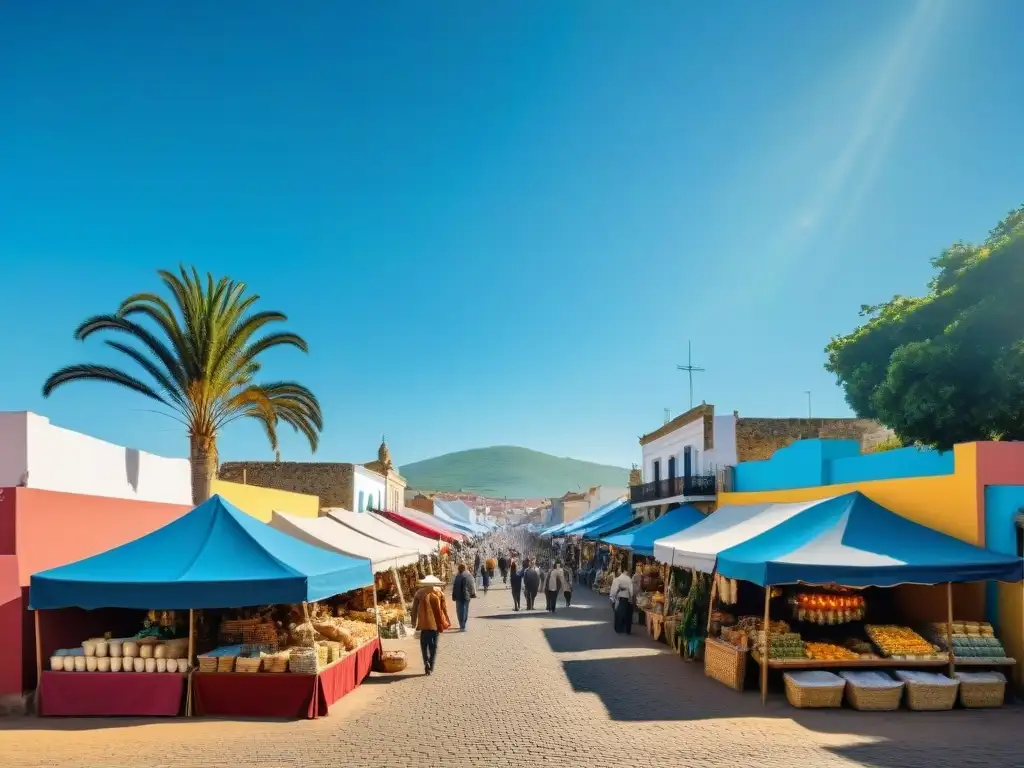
(102,663)
(115,663)
(90,663)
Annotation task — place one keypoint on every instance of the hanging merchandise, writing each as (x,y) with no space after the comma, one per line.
(728,590)
(826,608)
(694,616)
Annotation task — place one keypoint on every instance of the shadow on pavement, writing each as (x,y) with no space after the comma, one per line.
(590,637)
(572,613)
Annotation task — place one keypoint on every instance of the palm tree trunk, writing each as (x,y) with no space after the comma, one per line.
(203,458)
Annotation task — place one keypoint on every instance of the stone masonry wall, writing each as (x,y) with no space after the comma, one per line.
(757,439)
(332,482)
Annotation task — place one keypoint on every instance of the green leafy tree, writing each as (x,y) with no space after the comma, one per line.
(946,367)
(200,352)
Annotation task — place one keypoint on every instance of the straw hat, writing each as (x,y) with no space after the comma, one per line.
(430,581)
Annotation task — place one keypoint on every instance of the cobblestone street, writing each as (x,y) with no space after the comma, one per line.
(535,690)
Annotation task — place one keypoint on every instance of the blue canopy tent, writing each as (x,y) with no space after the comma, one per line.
(216,556)
(617,518)
(445,514)
(575,528)
(641,539)
(852,541)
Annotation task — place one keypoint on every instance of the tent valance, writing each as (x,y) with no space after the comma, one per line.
(574,528)
(215,556)
(848,540)
(641,539)
(618,518)
(423,517)
(427,530)
(383,530)
(328,533)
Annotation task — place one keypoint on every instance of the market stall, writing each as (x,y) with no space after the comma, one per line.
(423,517)
(824,574)
(427,530)
(212,557)
(381,529)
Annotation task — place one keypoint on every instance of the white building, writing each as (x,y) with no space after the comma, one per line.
(367,488)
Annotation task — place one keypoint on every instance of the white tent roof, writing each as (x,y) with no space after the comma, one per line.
(698,546)
(327,533)
(373,526)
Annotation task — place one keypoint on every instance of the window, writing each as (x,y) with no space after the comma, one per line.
(362,500)
(672,468)
(657,470)
(687,461)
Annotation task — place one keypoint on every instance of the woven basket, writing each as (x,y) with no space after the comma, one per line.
(725,663)
(922,697)
(226,663)
(276,662)
(207,663)
(981,695)
(814,696)
(868,699)
(247,664)
(302,661)
(323,654)
(393,661)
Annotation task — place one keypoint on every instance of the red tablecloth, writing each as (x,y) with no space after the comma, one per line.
(111,694)
(262,694)
(345,676)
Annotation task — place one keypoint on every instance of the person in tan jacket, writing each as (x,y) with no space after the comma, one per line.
(430,617)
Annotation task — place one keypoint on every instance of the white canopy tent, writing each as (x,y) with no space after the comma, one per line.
(697,547)
(328,533)
(373,526)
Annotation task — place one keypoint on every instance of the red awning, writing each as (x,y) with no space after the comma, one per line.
(417,526)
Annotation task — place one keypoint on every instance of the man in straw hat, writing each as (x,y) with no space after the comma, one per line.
(430,617)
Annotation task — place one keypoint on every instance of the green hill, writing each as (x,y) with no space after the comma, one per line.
(506,470)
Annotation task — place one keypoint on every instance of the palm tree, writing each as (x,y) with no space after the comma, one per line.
(201,362)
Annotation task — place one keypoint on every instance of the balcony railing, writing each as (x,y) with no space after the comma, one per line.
(694,485)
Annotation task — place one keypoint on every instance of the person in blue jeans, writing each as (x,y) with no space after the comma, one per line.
(463,590)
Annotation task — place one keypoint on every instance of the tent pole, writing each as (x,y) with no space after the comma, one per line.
(765,645)
(398,584)
(949,628)
(711,600)
(376,612)
(191,656)
(39,658)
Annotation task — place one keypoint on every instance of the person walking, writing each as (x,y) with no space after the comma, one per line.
(476,566)
(516,577)
(567,589)
(554,582)
(463,590)
(531,583)
(503,567)
(430,615)
(621,594)
(486,579)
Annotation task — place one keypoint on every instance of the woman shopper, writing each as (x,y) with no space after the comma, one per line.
(567,590)
(430,614)
(516,577)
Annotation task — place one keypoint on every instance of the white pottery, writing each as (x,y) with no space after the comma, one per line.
(149,665)
(79,664)
(101,648)
(161,665)
(139,665)
(90,663)
(102,663)
(57,663)
(172,665)
(114,649)
(130,649)
(146,651)
(115,663)
(89,647)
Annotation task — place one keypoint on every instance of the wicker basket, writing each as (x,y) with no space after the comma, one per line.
(872,691)
(247,664)
(980,690)
(725,663)
(927,691)
(226,663)
(207,663)
(814,689)
(323,654)
(302,661)
(393,661)
(276,662)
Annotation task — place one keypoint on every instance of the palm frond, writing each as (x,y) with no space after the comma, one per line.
(88,372)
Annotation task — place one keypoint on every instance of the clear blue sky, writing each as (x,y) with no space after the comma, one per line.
(496,222)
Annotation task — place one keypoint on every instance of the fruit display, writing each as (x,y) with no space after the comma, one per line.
(829,652)
(824,608)
(788,645)
(862,648)
(901,642)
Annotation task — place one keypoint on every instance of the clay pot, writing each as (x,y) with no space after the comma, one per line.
(139,665)
(79,664)
(89,647)
(115,663)
(90,663)
(57,663)
(102,663)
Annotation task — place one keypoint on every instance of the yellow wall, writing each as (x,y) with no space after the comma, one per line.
(947,503)
(260,502)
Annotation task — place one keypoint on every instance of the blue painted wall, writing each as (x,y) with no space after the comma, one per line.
(809,463)
(1002,503)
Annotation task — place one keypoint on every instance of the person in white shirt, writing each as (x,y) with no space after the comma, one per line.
(621,594)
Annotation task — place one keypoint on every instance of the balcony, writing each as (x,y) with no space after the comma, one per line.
(696,486)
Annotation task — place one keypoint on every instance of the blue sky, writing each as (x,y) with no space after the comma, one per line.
(500,222)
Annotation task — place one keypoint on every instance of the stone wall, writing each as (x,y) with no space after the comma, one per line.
(758,438)
(421,503)
(332,482)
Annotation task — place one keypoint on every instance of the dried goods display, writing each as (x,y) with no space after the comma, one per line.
(727,589)
(142,653)
(787,645)
(901,642)
(827,608)
(971,640)
(829,652)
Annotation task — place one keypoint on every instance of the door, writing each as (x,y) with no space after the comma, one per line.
(657,471)
(672,468)
(687,462)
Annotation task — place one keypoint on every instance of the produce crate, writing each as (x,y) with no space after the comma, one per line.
(979,690)
(725,663)
(814,689)
(928,691)
(872,691)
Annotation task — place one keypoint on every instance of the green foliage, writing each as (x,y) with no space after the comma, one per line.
(506,470)
(889,444)
(200,352)
(947,367)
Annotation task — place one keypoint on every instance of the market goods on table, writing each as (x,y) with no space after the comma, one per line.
(827,607)
(829,652)
(972,640)
(786,645)
(901,642)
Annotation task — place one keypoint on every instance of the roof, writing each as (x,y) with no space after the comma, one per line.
(680,421)
(618,517)
(848,540)
(328,533)
(382,529)
(565,529)
(641,539)
(215,556)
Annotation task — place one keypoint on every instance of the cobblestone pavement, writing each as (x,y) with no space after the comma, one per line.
(535,690)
